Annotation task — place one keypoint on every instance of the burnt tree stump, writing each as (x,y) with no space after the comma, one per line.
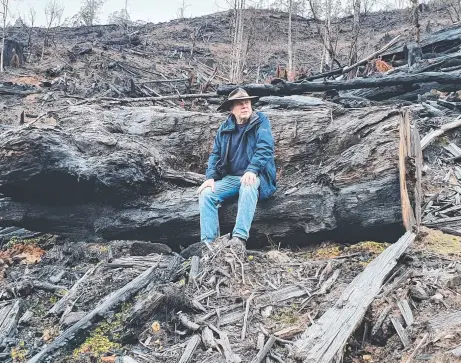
(12,49)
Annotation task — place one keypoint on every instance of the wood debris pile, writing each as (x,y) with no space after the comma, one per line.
(234,305)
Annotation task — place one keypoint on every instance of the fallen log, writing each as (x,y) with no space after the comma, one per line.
(264,350)
(355,65)
(291,102)
(431,110)
(106,180)
(427,139)
(61,305)
(165,80)
(437,63)
(401,332)
(439,41)
(455,106)
(145,307)
(325,340)
(190,349)
(9,317)
(371,56)
(402,93)
(139,262)
(289,88)
(10,89)
(112,100)
(105,305)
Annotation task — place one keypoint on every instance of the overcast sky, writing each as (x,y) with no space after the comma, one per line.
(150,10)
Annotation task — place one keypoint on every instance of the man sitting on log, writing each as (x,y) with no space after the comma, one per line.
(241,164)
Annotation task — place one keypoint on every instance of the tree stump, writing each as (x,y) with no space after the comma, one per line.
(13,54)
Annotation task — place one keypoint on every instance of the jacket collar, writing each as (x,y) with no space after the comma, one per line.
(229,125)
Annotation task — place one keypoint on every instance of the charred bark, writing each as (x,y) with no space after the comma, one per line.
(288,88)
(13,53)
(446,39)
(337,175)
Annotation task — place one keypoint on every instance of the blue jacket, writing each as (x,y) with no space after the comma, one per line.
(260,151)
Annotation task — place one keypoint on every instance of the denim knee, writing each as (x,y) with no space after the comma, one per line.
(249,188)
(206,195)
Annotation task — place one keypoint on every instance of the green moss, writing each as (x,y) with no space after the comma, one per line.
(19,354)
(287,316)
(441,243)
(325,252)
(103,338)
(38,241)
(372,247)
(61,292)
(443,141)
(96,345)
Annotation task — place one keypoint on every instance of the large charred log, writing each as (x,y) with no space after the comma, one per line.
(107,174)
(289,88)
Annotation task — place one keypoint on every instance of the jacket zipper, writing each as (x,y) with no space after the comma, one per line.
(227,150)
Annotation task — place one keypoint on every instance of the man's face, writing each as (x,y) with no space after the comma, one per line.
(242,109)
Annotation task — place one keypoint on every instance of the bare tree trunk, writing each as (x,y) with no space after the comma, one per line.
(234,44)
(322,61)
(5,16)
(355,33)
(290,43)
(328,41)
(3,49)
(43,46)
(415,13)
(240,43)
(236,61)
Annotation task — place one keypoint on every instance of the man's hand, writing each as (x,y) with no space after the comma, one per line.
(248,178)
(206,184)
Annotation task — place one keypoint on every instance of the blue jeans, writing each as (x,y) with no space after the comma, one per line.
(227,188)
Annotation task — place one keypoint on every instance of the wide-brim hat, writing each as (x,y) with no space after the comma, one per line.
(236,95)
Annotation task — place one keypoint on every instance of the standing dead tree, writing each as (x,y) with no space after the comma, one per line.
(290,42)
(4,13)
(29,27)
(452,8)
(326,31)
(53,15)
(90,11)
(181,12)
(353,54)
(237,43)
(415,20)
